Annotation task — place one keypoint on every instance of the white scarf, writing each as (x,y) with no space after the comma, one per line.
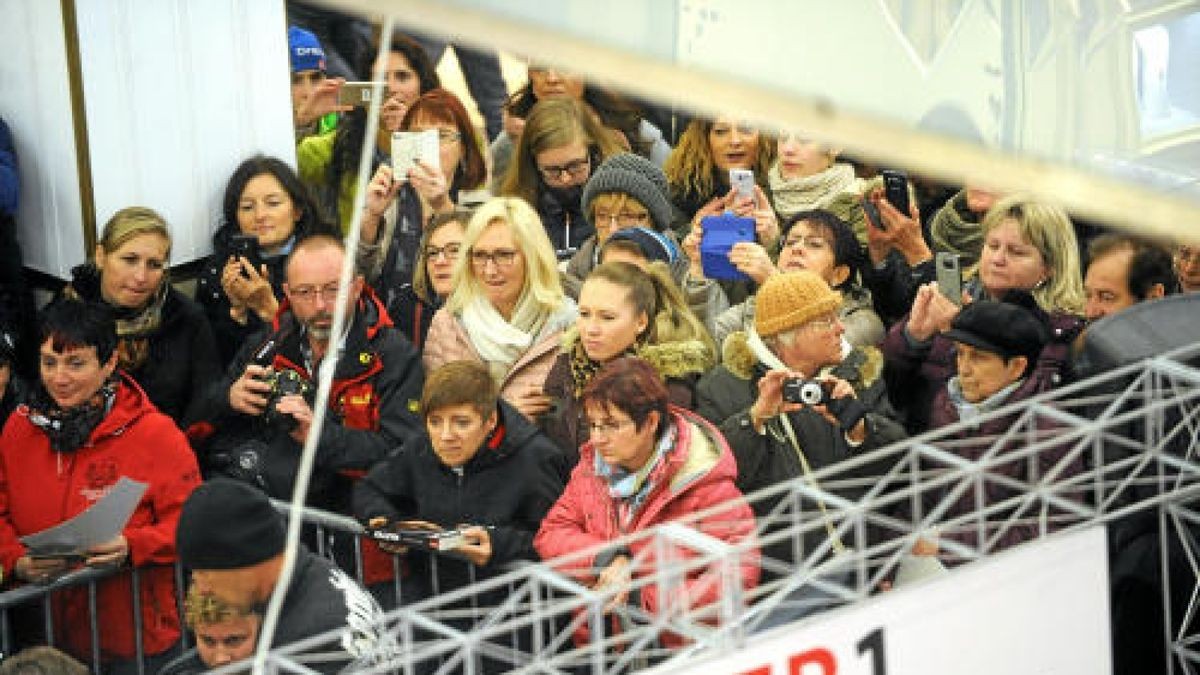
(501,342)
(793,195)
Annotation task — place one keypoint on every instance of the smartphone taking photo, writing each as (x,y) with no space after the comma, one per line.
(357,94)
(895,188)
(949,276)
(742,182)
(720,234)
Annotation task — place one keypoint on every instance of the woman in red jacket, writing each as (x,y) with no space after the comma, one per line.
(646,463)
(84,427)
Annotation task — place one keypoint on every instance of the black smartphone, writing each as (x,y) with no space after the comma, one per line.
(895,188)
(246,246)
(873,217)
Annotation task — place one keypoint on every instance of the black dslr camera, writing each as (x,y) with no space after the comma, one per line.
(284,382)
(848,410)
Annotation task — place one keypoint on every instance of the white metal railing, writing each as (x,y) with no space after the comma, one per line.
(1136,429)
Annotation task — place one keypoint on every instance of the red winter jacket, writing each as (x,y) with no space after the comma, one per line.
(699,474)
(40,488)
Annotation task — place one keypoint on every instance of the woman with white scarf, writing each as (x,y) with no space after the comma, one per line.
(507,309)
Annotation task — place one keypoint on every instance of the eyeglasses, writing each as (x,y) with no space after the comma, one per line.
(328,293)
(822,324)
(808,242)
(608,427)
(573,169)
(451,252)
(624,219)
(502,257)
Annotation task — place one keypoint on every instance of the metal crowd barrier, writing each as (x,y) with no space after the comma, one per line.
(1135,430)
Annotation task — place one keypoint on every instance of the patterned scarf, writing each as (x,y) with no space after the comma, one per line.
(631,488)
(584,367)
(135,326)
(793,195)
(69,429)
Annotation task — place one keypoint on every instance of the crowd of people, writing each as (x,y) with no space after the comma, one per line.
(546,372)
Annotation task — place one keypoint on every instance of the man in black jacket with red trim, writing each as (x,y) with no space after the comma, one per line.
(372,402)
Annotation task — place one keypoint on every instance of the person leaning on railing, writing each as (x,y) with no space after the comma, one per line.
(85,426)
(480,466)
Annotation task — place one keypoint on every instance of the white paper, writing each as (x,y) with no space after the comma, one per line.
(409,146)
(101,522)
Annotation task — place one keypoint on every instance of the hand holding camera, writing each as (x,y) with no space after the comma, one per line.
(833,399)
(251,392)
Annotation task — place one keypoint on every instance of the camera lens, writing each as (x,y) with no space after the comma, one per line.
(812,393)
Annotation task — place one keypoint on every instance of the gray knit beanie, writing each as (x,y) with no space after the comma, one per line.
(635,176)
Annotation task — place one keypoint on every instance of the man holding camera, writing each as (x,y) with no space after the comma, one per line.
(793,398)
(263,407)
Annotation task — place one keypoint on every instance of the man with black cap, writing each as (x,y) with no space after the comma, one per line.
(233,540)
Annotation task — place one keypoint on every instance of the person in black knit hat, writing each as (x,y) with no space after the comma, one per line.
(233,540)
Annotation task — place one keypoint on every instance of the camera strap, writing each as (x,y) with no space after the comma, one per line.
(838,546)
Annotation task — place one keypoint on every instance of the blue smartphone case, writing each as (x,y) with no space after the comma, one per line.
(720,234)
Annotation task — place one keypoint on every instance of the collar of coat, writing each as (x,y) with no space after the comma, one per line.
(676,359)
(861,367)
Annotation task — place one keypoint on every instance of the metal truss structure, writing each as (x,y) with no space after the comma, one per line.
(1117,449)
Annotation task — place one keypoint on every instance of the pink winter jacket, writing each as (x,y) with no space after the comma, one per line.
(448,341)
(699,474)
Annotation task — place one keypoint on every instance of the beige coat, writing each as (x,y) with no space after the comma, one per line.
(448,341)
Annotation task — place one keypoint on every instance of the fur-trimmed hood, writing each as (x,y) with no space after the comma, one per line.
(861,367)
(672,360)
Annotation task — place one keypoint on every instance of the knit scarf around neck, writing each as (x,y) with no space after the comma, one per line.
(135,326)
(793,195)
(955,228)
(501,342)
(68,429)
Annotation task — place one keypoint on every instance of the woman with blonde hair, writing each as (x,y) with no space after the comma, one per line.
(698,169)
(625,310)
(562,145)
(1028,245)
(165,342)
(507,308)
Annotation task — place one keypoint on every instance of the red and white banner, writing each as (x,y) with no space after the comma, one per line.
(1040,609)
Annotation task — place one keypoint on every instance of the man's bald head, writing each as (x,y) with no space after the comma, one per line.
(315,246)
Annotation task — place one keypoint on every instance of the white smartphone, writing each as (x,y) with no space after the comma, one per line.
(949,276)
(742,181)
(409,146)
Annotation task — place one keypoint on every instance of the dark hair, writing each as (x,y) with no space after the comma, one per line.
(1151,263)
(846,248)
(422,285)
(632,386)
(348,139)
(460,383)
(440,105)
(70,324)
(258,165)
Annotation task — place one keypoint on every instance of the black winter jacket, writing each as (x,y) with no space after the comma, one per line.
(509,484)
(230,334)
(183,353)
(377,383)
(726,394)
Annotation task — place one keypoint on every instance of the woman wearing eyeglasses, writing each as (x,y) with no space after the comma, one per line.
(398,208)
(646,463)
(507,307)
(562,144)
(413,307)
(823,243)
